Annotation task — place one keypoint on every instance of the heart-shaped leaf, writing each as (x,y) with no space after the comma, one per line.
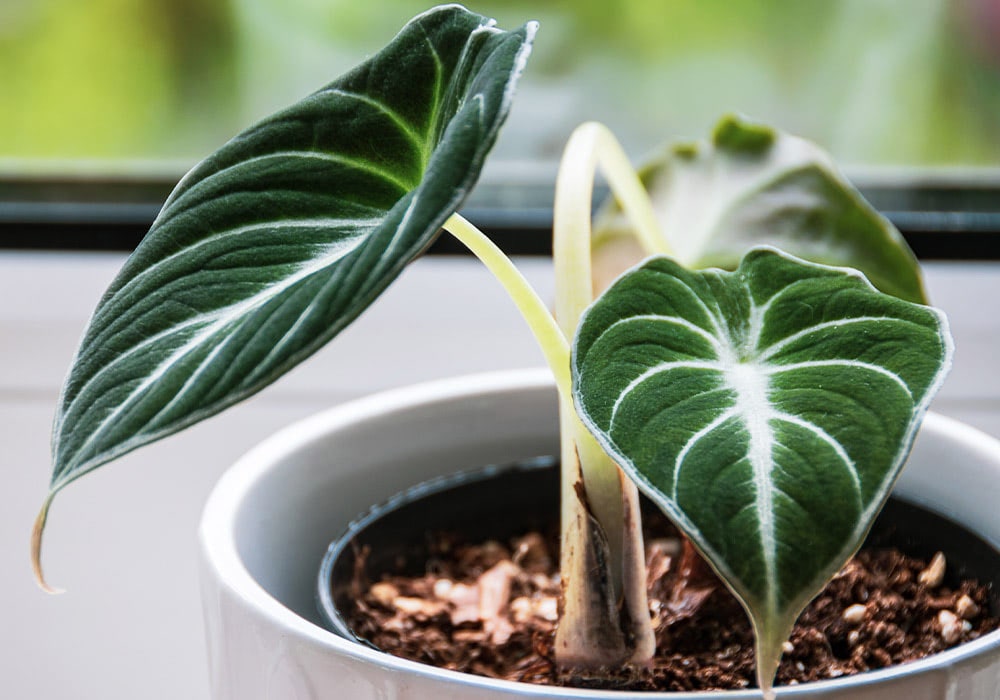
(767,411)
(275,243)
(753,185)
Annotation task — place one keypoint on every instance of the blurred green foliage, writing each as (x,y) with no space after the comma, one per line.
(877,82)
(115,78)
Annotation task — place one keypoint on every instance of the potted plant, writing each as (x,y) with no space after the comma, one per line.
(271,517)
(767,410)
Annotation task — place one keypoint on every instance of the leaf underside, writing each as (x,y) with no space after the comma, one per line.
(752,185)
(275,243)
(768,411)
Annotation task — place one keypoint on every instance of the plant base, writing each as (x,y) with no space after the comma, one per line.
(482,598)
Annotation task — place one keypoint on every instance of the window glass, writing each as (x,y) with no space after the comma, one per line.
(912,83)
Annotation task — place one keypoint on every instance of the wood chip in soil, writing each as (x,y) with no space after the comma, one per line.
(491,609)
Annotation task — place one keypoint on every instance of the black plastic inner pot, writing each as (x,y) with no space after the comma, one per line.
(501,502)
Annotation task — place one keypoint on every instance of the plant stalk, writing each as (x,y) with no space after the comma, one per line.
(602,559)
(543,326)
(605,617)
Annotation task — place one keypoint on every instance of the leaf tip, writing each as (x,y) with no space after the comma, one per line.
(766,671)
(36,548)
(686,151)
(737,134)
(770,638)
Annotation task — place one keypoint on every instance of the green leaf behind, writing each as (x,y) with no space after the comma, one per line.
(275,243)
(768,411)
(753,185)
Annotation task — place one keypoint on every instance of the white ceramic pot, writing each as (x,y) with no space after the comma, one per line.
(270,519)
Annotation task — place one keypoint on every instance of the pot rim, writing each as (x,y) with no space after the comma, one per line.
(221,556)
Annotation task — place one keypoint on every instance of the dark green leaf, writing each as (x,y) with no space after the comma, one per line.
(768,411)
(276,242)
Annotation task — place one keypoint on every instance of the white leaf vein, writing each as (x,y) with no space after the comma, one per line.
(354,228)
(679,321)
(395,117)
(206,325)
(852,364)
(838,448)
(359,164)
(654,371)
(780,345)
(694,440)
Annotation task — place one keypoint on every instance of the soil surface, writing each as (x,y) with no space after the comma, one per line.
(491,608)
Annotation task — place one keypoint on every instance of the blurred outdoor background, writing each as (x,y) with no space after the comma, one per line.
(135,84)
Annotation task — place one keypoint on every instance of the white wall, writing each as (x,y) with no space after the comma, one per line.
(122,540)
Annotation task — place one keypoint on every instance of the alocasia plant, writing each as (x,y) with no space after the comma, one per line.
(767,410)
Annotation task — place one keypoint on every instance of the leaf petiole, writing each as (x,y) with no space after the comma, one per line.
(611,500)
(543,326)
(591,146)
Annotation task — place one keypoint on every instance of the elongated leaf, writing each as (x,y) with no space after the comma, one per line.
(276,242)
(768,411)
(753,185)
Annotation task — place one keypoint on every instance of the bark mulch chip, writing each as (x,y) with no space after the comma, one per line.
(491,609)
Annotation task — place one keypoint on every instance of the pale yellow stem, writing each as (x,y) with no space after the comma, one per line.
(591,146)
(612,500)
(537,315)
